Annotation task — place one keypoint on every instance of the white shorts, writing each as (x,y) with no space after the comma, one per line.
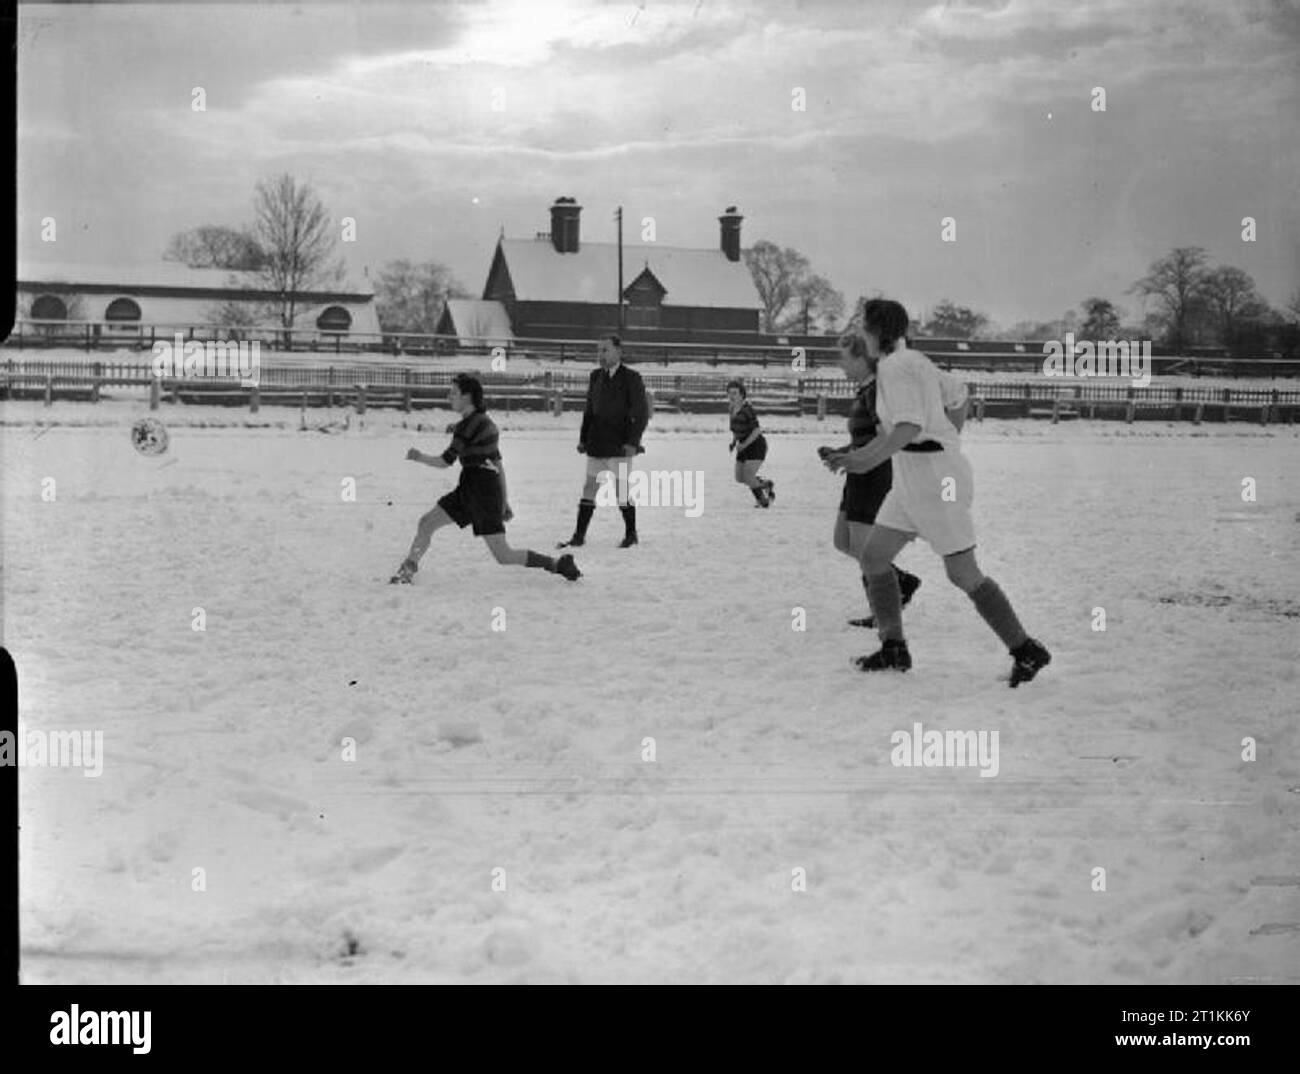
(595,465)
(931,497)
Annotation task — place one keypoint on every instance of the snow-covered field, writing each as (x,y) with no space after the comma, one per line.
(515,757)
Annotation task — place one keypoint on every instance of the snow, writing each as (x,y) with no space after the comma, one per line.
(521,750)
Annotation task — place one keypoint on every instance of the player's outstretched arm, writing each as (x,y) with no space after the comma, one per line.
(866,458)
(436,461)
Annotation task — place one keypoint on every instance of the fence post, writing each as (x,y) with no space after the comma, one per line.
(979,409)
(1200,410)
(254,399)
(49,389)
(361,399)
(99,377)
(821,406)
(155,393)
(302,413)
(1056,409)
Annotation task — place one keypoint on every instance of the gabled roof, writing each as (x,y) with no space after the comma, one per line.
(170,274)
(648,275)
(690,277)
(475,317)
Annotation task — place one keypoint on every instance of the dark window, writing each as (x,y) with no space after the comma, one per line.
(334,319)
(49,308)
(122,309)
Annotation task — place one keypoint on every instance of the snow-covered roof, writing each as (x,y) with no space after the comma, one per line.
(170,274)
(473,317)
(690,277)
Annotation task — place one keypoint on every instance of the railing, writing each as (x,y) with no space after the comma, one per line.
(409,387)
(765,351)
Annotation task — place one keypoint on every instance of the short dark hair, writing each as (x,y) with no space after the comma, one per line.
(887,319)
(739,385)
(854,344)
(468,384)
(613,338)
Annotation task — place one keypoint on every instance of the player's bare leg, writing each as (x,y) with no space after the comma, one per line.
(429,524)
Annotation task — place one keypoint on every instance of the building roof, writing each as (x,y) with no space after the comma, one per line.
(161,274)
(690,277)
(479,319)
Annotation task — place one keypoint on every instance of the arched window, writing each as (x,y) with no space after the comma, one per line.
(122,309)
(334,319)
(49,308)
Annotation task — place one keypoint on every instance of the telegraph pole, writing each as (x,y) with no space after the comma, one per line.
(619,217)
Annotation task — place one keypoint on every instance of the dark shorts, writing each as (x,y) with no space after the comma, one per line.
(864,493)
(476,501)
(756,450)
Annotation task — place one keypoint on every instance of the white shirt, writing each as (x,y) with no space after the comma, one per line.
(911,388)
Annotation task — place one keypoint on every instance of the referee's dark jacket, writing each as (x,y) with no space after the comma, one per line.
(617,412)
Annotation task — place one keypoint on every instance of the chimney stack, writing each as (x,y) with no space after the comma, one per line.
(730,221)
(564,225)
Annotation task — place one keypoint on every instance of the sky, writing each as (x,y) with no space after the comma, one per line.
(435,126)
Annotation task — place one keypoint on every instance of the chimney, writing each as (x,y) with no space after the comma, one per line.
(730,221)
(564,225)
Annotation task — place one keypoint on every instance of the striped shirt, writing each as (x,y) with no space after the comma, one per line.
(474,441)
(743,421)
(864,422)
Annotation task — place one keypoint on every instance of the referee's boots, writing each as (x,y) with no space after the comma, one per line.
(893,656)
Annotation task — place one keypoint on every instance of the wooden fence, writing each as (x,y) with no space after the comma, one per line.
(364,385)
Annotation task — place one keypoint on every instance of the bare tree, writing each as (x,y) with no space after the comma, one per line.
(950,321)
(1101,319)
(292,227)
(795,299)
(1231,294)
(777,274)
(818,305)
(1175,281)
(410,297)
(216,246)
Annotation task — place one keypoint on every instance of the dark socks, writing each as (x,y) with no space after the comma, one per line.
(886,604)
(629,520)
(586,508)
(996,610)
(546,563)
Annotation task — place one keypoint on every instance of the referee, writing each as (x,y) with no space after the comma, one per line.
(616,415)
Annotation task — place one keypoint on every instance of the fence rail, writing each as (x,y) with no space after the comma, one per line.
(412,387)
(814,352)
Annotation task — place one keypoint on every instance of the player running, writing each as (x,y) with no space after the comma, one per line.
(479,499)
(933,486)
(749,444)
(616,415)
(863,493)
